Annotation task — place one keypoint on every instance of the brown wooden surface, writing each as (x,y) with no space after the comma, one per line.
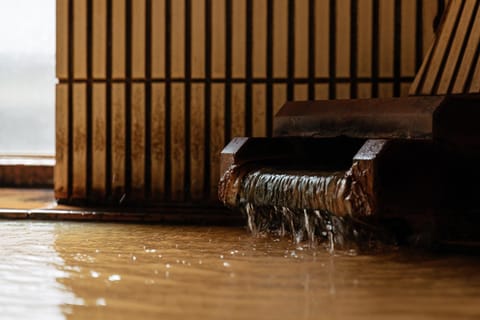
(387,118)
(26,171)
(39,204)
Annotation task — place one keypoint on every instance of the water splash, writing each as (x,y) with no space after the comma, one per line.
(302,204)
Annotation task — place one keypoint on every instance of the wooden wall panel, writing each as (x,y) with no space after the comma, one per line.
(217,132)
(138,16)
(99,41)
(342,66)
(99,140)
(218,39)
(118,39)
(80,39)
(138,140)
(364,38)
(301,38)
(198,39)
(280,38)
(322,38)
(259,53)
(158,38)
(62,37)
(118,133)
(177,142)
(239,38)
(177,38)
(79,154)
(197,141)
(158,142)
(173,80)
(238,110)
(61,141)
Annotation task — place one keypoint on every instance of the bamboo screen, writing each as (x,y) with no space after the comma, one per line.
(150,91)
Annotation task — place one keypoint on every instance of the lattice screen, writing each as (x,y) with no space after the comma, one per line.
(151,90)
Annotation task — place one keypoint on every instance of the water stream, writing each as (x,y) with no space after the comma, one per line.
(302,204)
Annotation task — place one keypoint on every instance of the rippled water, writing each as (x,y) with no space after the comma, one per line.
(85,271)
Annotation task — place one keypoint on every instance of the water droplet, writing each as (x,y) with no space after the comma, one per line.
(114,277)
(226,264)
(100,302)
(94,274)
(168,266)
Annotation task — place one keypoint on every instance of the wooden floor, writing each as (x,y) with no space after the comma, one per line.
(40,204)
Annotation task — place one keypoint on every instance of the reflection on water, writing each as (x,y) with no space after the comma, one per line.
(29,270)
(138,271)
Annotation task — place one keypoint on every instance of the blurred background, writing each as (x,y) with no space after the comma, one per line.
(27,76)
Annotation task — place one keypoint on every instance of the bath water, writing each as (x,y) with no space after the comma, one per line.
(60,270)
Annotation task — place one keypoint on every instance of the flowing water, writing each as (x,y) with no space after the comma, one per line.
(124,271)
(301,204)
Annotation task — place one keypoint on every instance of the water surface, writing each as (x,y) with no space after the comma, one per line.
(56,270)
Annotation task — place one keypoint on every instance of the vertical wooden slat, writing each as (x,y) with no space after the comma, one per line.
(159,157)
(99,49)
(301,92)
(137,139)
(321,91)
(118,139)
(364,42)
(217,118)
(386,37)
(404,89)
(468,58)
(279,96)
(79,179)
(301,38)
(259,120)
(238,110)
(322,44)
(343,91)
(430,10)
(198,38)
(280,37)
(239,17)
(364,90)
(197,140)
(408,37)
(62,39)
(259,38)
(178,38)
(218,39)
(385,90)
(343,38)
(138,38)
(448,71)
(61,142)
(177,156)
(80,39)
(99,138)
(158,39)
(118,39)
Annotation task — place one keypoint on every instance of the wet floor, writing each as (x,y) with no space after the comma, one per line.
(60,270)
